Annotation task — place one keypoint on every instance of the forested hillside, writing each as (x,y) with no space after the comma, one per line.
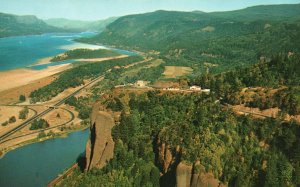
(238,151)
(12,25)
(174,138)
(281,72)
(224,39)
(163,134)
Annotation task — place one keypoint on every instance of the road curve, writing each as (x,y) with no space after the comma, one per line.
(62,101)
(57,104)
(49,128)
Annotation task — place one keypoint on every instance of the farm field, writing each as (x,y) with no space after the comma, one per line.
(176,71)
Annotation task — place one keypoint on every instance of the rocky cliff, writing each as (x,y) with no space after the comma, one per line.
(100,146)
(188,176)
(180,174)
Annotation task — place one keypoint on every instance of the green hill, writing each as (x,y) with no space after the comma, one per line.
(226,39)
(13,25)
(79,25)
(264,12)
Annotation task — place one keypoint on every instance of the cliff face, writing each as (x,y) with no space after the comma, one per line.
(166,158)
(187,176)
(100,146)
(179,174)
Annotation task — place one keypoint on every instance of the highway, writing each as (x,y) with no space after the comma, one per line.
(62,101)
(36,132)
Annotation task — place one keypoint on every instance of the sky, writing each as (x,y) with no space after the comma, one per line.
(102,9)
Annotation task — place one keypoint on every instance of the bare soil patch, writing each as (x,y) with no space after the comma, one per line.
(257,113)
(20,77)
(100,59)
(272,112)
(57,117)
(8,111)
(176,71)
(11,96)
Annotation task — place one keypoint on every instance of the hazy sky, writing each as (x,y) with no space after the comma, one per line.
(100,9)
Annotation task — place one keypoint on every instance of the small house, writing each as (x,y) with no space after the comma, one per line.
(141,83)
(195,88)
(206,90)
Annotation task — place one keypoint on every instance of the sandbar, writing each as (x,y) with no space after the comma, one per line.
(19,77)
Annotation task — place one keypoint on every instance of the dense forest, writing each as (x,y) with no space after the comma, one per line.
(282,71)
(238,150)
(85,54)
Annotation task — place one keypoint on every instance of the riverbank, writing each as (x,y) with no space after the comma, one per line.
(19,77)
(39,163)
(62,134)
(65,174)
(42,61)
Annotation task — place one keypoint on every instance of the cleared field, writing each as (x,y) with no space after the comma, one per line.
(57,117)
(8,111)
(176,71)
(11,96)
(132,72)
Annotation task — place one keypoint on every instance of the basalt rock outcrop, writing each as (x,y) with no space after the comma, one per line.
(167,160)
(100,146)
(180,174)
(188,176)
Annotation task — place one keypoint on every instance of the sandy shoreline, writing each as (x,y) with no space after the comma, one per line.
(23,81)
(42,61)
(78,45)
(14,78)
(47,60)
(100,59)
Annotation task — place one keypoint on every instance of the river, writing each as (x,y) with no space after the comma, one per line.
(24,51)
(37,164)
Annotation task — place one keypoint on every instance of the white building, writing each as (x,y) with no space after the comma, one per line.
(140,83)
(206,90)
(195,88)
(173,89)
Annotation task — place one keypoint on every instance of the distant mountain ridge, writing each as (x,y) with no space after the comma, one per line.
(226,39)
(79,25)
(13,25)
(263,12)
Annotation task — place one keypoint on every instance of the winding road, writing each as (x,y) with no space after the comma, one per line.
(62,101)
(49,128)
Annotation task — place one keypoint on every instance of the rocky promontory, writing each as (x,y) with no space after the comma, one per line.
(100,146)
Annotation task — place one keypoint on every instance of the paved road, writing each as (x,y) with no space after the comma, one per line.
(49,128)
(62,101)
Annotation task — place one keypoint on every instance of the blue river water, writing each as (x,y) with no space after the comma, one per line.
(24,51)
(37,164)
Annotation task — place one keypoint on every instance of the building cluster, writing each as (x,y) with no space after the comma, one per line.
(193,88)
(143,84)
